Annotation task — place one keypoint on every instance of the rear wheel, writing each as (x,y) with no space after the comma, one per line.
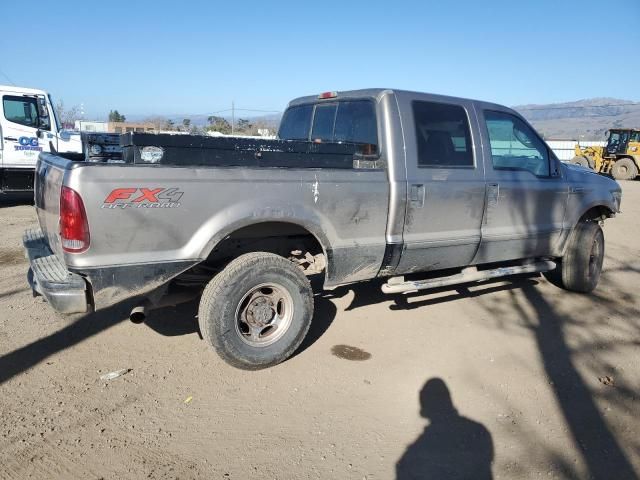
(582,161)
(579,270)
(624,169)
(257,311)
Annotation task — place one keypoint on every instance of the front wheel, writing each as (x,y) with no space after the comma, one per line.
(579,270)
(257,311)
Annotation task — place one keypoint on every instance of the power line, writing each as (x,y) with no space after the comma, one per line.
(257,110)
(245,110)
(7,77)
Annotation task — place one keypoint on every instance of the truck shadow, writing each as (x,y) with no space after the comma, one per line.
(535,315)
(182,320)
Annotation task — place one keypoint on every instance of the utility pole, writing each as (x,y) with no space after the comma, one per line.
(233,116)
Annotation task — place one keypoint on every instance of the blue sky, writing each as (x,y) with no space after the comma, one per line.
(195,57)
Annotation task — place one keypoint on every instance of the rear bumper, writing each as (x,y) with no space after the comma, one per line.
(65,291)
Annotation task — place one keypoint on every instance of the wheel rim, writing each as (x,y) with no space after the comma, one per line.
(595,257)
(264,314)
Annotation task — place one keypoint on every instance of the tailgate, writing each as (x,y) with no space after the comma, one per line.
(50,171)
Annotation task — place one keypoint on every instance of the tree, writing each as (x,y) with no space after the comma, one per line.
(243,125)
(115,116)
(67,116)
(218,124)
(186,123)
(169,125)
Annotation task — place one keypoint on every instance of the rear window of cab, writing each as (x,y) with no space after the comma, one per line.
(349,121)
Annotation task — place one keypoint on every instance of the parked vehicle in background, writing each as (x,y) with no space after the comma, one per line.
(28,126)
(620,157)
(424,190)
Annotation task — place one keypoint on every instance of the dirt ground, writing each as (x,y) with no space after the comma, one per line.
(511,379)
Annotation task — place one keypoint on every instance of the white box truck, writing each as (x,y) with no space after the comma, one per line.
(28,126)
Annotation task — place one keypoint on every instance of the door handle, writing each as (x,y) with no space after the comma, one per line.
(416,195)
(577,190)
(11,139)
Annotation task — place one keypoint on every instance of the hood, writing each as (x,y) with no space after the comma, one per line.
(598,185)
(579,174)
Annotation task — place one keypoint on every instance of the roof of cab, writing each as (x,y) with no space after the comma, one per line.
(21,90)
(378,93)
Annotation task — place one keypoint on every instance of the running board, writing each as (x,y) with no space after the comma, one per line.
(468,275)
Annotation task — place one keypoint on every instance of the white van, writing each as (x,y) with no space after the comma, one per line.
(28,126)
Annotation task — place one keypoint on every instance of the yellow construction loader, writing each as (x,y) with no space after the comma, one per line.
(620,157)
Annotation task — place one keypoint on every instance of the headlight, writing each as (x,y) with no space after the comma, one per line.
(617,198)
(95,149)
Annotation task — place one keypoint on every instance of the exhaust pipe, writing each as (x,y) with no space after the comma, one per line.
(139,313)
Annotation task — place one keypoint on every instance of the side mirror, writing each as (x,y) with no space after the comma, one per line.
(64,135)
(42,107)
(39,133)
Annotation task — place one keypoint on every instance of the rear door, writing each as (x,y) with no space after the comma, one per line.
(20,122)
(445,183)
(526,194)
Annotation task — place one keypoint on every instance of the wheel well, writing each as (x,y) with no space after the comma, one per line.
(597,214)
(282,238)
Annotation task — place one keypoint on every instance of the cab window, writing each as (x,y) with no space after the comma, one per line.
(515,146)
(349,121)
(324,119)
(442,135)
(21,110)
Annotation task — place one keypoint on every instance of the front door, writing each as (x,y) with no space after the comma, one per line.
(526,194)
(445,185)
(20,122)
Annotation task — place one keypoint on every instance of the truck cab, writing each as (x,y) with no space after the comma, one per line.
(28,126)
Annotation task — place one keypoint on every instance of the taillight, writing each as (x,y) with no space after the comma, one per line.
(74,228)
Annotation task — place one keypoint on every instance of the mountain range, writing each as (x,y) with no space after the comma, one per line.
(587,119)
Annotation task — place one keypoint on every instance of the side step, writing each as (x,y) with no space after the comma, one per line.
(468,275)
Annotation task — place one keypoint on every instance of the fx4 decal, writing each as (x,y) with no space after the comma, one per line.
(143,198)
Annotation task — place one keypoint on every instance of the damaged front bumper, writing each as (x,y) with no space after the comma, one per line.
(65,291)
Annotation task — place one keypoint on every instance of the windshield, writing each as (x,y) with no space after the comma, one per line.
(617,142)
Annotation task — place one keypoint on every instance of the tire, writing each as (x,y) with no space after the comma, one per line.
(256,312)
(579,270)
(582,161)
(624,169)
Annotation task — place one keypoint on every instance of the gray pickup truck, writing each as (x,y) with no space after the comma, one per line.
(425,190)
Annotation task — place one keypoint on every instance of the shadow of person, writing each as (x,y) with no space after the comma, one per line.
(451,446)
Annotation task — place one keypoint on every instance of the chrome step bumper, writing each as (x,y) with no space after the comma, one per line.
(49,277)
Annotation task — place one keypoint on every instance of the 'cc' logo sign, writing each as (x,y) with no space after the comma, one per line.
(28,141)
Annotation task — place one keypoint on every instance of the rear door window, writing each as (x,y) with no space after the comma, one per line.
(442,134)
